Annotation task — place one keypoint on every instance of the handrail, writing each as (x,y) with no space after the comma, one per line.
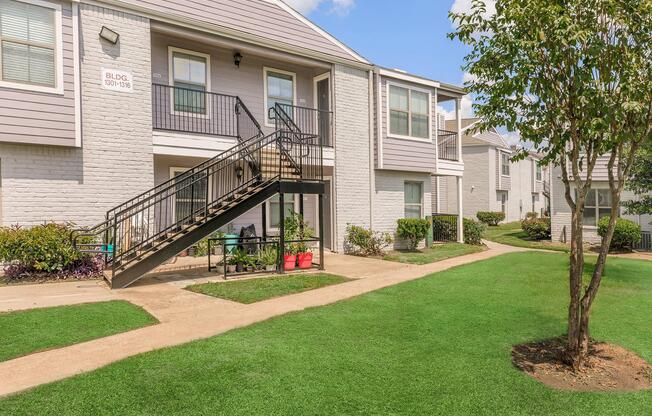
(447,146)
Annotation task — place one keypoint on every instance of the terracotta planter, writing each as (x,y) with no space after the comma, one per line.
(305,260)
(290,261)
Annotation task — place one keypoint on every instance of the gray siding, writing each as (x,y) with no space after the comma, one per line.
(404,154)
(43,118)
(259,18)
(245,81)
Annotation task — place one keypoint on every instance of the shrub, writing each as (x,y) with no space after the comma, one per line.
(44,249)
(444,228)
(364,242)
(531,215)
(626,234)
(491,217)
(413,230)
(537,228)
(473,231)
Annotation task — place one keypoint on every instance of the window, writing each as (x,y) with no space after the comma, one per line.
(279,89)
(505,164)
(190,196)
(290,201)
(597,205)
(534,203)
(413,199)
(29,35)
(409,112)
(539,173)
(190,78)
(503,202)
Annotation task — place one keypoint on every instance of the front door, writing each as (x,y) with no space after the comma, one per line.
(323,104)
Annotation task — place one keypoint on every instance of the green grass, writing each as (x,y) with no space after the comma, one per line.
(433,346)
(511,234)
(255,290)
(433,254)
(26,332)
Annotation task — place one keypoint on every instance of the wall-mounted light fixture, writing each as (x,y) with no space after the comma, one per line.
(237,58)
(109,35)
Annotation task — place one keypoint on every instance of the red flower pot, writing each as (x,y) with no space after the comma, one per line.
(290,261)
(305,260)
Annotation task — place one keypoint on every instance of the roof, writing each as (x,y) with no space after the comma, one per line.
(417,79)
(268,22)
(490,137)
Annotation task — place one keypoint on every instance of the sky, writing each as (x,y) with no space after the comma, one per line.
(410,35)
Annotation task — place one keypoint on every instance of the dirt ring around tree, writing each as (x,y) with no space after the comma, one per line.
(608,368)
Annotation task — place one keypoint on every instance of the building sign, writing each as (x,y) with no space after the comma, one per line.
(115,80)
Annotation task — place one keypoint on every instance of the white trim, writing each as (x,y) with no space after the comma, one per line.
(267,69)
(268,221)
(333,242)
(315,98)
(58,54)
(390,135)
(422,199)
(207,57)
(76,72)
(318,29)
(379,121)
(407,77)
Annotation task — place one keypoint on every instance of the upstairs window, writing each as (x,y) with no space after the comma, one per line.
(409,113)
(279,89)
(539,173)
(413,200)
(505,164)
(190,78)
(28,43)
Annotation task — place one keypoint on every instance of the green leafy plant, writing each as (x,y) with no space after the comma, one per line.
(531,215)
(362,241)
(239,257)
(474,231)
(42,248)
(297,228)
(626,233)
(268,256)
(201,248)
(445,228)
(491,217)
(537,228)
(412,230)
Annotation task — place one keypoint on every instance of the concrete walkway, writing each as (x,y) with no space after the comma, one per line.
(185,316)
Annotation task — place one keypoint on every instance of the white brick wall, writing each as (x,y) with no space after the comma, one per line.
(42,183)
(389,202)
(352,175)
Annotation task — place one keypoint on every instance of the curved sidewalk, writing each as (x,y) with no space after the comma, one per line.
(185,316)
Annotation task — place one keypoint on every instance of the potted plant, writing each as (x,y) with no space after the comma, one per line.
(240,259)
(268,258)
(250,264)
(290,257)
(304,256)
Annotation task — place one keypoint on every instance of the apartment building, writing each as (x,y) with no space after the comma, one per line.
(491,180)
(156,123)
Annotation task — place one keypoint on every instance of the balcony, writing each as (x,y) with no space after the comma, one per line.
(190,111)
(447,145)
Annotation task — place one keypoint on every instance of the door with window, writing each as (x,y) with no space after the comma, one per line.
(280,89)
(323,105)
(190,195)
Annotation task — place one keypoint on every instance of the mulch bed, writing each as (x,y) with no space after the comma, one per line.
(608,367)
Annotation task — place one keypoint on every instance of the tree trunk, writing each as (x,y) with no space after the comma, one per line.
(574,354)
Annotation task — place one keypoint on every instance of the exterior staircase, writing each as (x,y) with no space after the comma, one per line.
(144,232)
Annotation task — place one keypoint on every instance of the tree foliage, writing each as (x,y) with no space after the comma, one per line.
(640,182)
(574,77)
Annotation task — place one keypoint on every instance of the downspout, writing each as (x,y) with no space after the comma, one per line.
(372,170)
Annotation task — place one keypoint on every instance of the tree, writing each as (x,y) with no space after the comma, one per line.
(574,78)
(640,182)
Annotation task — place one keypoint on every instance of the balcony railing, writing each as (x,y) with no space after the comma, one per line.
(312,122)
(194,111)
(447,145)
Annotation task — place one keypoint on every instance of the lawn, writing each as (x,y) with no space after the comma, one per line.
(26,332)
(433,254)
(511,234)
(433,346)
(256,290)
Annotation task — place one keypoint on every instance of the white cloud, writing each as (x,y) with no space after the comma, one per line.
(306,7)
(467,109)
(513,138)
(464,6)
